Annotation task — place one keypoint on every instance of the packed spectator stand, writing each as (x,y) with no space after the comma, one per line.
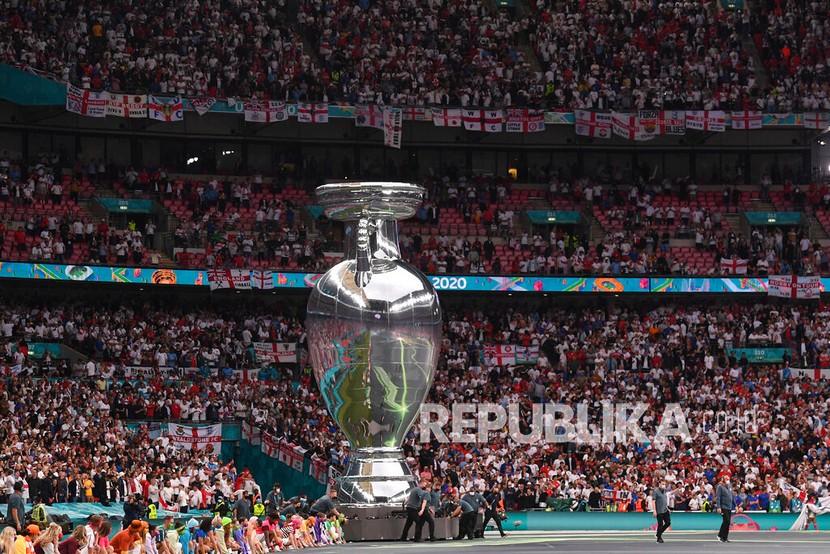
(469,224)
(621,353)
(603,55)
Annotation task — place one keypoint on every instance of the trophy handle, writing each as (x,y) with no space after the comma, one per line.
(363,274)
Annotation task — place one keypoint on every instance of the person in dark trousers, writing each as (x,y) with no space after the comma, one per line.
(477,501)
(416,505)
(725,502)
(494,507)
(661,506)
(467,523)
(16,514)
(433,505)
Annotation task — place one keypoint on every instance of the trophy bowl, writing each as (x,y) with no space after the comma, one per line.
(374,335)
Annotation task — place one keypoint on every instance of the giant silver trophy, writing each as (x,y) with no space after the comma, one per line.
(374,334)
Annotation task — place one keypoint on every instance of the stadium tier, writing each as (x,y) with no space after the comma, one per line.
(480,225)
(569,55)
(704,353)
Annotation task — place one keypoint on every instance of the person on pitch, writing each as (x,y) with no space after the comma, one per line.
(661,505)
(725,502)
(416,506)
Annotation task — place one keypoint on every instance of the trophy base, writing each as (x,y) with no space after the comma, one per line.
(376,477)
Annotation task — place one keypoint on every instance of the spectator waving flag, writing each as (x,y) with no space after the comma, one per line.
(166,109)
(815,120)
(446,117)
(473,119)
(493,121)
(262,279)
(747,120)
(706,121)
(733,266)
(500,354)
(592,124)
(85,102)
(369,116)
(127,105)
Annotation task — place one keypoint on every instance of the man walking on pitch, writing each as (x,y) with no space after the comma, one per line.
(661,505)
(725,502)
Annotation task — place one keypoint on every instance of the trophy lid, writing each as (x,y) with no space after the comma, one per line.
(372,199)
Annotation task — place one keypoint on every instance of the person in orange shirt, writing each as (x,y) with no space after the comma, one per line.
(124,540)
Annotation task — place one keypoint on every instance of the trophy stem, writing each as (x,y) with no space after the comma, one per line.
(376,476)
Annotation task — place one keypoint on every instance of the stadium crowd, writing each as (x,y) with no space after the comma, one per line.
(470,224)
(791,38)
(676,353)
(621,54)
(633,55)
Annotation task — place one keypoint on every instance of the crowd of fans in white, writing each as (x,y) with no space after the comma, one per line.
(678,353)
(599,54)
(247,223)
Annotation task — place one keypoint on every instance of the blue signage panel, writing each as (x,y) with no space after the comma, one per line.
(459,283)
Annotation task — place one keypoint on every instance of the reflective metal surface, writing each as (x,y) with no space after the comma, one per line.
(370,199)
(374,330)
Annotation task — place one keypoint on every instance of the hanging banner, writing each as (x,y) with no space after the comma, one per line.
(473,119)
(819,121)
(251,433)
(265,112)
(190,437)
(202,105)
(392,127)
(319,469)
(417,113)
(523,120)
(262,279)
(446,117)
(168,110)
(593,124)
(706,121)
(85,102)
(369,116)
(312,113)
(628,126)
(127,105)
(229,279)
(672,122)
(747,120)
(799,373)
(795,286)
